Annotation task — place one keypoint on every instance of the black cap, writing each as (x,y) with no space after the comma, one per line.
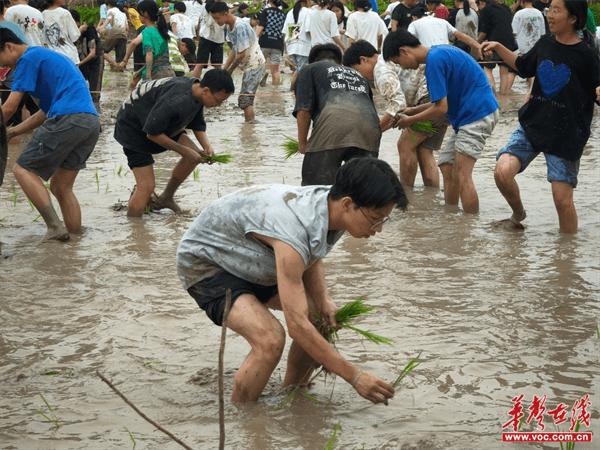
(418,11)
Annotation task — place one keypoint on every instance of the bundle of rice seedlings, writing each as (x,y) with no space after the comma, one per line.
(424,126)
(345,317)
(223,158)
(291,147)
(412,363)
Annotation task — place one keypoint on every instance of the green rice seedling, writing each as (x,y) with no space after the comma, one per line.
(424,126)
(30,203)
(132,437)
(223,158)
(37,218)
(345,317)
(97,181)
(412,363)
(330,445)
(120,170)
(291,147)
(49,416)
(196,174)
(14,197)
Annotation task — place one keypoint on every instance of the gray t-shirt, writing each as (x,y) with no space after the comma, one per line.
(341,105)
(220,235)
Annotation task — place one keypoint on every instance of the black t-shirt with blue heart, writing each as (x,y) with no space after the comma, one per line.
(558,115)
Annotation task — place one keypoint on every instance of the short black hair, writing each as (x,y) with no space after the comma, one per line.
(363,4)
(397,39)
(325,51)
(243,6)
(356,50)
(6,37)
(189,43)
(217,7)
(111,2)
(370,183)
(418,11)
(179,7)
(218,80)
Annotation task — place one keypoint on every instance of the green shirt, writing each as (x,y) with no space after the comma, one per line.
(590,24)
(154,42)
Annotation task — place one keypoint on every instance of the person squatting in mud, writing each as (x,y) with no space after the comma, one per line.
(267,244)
(154,118)
(66,129)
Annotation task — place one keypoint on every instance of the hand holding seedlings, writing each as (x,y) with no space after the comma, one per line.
(372,388)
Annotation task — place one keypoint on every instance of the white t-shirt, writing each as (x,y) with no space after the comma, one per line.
(528,27)
(322,26)
(183,26)
(296,39)
(365,25)
(243,39)
(430,31)
(209,28)
(467,24)
(30,20)
(60,32)
(118,20)
(193,9)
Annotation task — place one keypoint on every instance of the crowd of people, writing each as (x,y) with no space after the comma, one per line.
(431,65)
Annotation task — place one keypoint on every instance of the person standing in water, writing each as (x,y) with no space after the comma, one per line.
(153,120)
(66,129)
(267,244)
(556,119)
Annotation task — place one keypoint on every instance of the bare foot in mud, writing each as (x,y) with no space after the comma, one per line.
(513,222)
(58,233)
(157,203)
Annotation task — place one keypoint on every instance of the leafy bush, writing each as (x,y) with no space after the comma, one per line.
(88,14)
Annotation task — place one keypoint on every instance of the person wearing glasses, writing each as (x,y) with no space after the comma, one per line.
(266,244)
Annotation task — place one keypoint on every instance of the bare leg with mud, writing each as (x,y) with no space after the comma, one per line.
(451,193)
(562,193)
(428,166)
(463,176)
(61,186)
(507,167)
(407,151)
(490,76)
(36,191)
(249,113)
(144,187)
(252,320)
(181,171)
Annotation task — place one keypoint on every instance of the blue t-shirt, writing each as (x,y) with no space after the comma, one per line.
(54,80)
(453,73)
(15,29)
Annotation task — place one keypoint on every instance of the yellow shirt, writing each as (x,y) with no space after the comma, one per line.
(134,18)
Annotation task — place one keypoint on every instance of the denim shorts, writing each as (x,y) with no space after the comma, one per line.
(210,293)
(559,169)
(469,139)
(63,141)
(250,81)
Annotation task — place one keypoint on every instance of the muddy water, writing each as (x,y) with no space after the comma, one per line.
(495,313)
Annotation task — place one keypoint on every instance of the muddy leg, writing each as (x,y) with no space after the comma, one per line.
(36,191)
(249,114)
(428,166)
(144,179)
(463,174)
(562,193)
(181,171)
(451,192)
(252,320)
(507,167)
(61,185)
(407,149)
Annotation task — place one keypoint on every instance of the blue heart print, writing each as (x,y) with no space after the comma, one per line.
(553,78)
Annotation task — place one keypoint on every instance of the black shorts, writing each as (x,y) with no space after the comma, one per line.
(210,293)
(209,51)
(139,151)
(320,168)
(496,57)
